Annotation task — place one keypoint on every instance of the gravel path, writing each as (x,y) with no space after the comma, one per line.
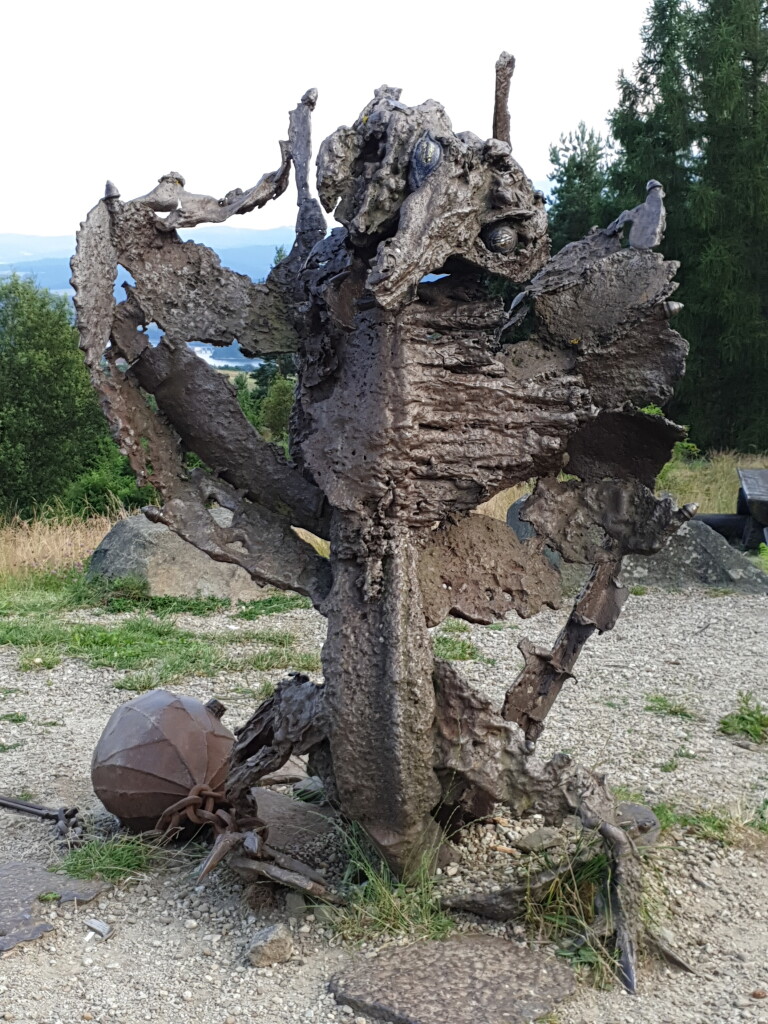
(178,952)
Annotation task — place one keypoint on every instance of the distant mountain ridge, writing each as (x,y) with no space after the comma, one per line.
(245,250)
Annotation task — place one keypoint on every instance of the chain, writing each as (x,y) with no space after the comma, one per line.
(206,806)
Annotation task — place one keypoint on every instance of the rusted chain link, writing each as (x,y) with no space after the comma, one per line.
(206,806)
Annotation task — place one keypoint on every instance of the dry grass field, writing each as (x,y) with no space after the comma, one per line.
(57,540)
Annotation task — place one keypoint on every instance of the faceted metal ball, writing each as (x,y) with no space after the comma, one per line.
(501,238)
(154,749)
(427,154)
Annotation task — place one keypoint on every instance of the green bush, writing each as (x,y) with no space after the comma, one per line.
(111,482)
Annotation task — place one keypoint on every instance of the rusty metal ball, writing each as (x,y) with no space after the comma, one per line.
(154,749)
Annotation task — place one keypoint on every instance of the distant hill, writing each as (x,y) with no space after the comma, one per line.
(245,250)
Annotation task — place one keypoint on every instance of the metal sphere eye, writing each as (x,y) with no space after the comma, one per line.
(501,238)
(427,154)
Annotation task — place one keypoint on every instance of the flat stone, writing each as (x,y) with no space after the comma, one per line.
(272,945)
(477,978)
(172,567)
(21,882)
(541,839)
(292,823)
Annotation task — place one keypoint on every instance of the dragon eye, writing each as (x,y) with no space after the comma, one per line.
(427,154)
(501,238)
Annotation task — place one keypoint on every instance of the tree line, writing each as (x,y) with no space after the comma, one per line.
(694,115)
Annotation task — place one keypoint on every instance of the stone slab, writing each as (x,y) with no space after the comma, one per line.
(21,914)
(292,823)
(470,979)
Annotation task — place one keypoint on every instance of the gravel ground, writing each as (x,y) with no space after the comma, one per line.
(178,953)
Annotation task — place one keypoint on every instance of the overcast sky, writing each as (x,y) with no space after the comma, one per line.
(129,91)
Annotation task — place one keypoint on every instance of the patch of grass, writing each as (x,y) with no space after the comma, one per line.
(158,651)
(719,592)
(7,691)
(272,606)
(750,719)
(627,795)
(6,747)
(299,661)
(17,717)
(109,859)
(760,819)
(382,907)
(453,648)
(703,823)
(674,762)
(762,557)
(264,690)
(638,591)
(564,913)
(712,482)
(452,625)
(660,704)
(498,626)
(49,897)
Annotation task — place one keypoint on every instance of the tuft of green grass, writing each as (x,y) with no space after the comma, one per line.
(272,605)
(380,906)
(762,557)
(564,913)
(660,704)
(704,823)
(498,626)
(453,648)
(719,592)
(17,717)
(638,591)
(49,897)
(452,625)
(750,719)
(6,747)
(760,819)
(110,859)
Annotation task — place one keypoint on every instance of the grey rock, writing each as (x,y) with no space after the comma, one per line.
(271,945)
(541,839)
(475,977)
(696,556)
(640,822)
(172,567)
(295,904)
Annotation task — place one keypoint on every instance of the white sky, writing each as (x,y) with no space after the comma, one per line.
(130,90)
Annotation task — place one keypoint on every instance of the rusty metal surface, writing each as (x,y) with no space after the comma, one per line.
(154,750)
(21,882)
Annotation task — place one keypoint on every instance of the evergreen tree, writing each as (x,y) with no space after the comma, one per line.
(51,427)
(695,116)
(580,179)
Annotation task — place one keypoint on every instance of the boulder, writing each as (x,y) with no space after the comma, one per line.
(695,556)
(138,548)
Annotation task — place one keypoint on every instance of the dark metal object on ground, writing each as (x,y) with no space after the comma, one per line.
(435,982)
(21,883)
(749,525)
(155,751)
(66,818)
(160,764)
